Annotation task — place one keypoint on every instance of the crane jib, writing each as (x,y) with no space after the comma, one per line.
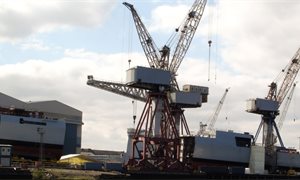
(160,58)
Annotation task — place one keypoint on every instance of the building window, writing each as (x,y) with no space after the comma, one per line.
(243,142)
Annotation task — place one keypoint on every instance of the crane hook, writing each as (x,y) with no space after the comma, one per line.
(209,47)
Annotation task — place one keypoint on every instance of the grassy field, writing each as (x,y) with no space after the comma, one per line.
(50,174)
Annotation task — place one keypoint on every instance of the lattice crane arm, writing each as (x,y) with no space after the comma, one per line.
(187,32)
(212,121)
(290,73)
(286,107)
(149,47)
(120,89)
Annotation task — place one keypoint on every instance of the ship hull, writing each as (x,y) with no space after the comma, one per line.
(234,149)
(225,147)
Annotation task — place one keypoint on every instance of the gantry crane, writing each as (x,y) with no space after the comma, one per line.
(269,109)
(156,144)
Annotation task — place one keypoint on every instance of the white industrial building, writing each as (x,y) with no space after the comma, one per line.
(29,116)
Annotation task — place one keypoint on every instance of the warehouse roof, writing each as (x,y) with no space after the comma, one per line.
(10,102)
(52,108)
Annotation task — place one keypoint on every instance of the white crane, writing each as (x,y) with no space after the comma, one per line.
(268,108)
(212,120)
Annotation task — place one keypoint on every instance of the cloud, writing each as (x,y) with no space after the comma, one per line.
(254,32)
(107,116)
(22,19)
(166,18)
(255,39)
(34,44)
(65,80)
(246,32)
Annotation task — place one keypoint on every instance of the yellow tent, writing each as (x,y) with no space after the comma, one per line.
(75,159)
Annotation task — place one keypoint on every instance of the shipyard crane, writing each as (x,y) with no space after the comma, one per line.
(160,58)
(156,142)
(208,128)
(212,120)
(268,108)
(286,107)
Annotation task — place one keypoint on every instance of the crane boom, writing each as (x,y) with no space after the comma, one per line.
(290,73)
(286,107)
(120,89)
(214,117)
(149,47)
(187,33)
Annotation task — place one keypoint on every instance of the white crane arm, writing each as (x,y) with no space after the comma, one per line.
(214,117)
(187,33)
(120,89)
(290,75)
(149,47)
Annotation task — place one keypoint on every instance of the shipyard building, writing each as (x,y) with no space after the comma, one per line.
(28,126)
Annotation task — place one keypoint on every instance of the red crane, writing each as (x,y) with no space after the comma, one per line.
(156,144)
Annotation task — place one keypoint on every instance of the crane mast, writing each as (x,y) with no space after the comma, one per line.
(212,121)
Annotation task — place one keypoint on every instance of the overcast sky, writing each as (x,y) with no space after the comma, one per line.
(47,49)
